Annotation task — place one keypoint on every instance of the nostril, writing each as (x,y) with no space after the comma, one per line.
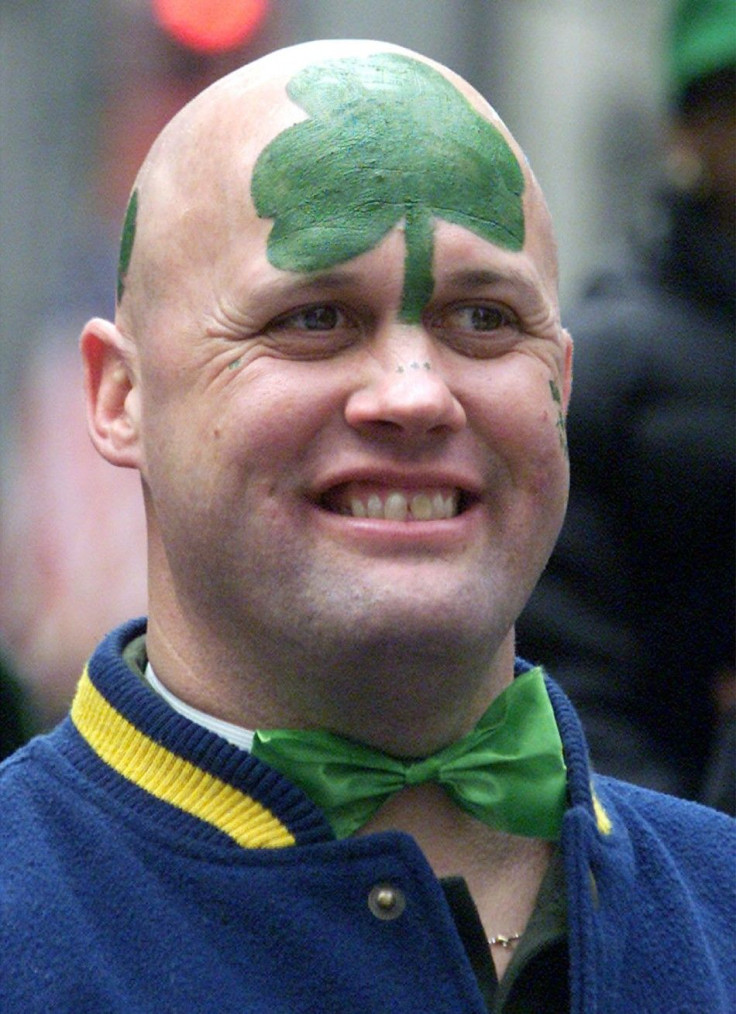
(402,404)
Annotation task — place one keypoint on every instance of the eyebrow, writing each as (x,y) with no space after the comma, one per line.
(477,278)
(464,278)
(294,285)
(298,283)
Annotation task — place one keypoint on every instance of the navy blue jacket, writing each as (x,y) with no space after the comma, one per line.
(147,865)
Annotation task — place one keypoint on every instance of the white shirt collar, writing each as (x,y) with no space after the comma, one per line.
(234,734)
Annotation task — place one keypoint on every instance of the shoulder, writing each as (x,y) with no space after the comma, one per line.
(673,837)
(638,827)
(32,788)
(651,898)
(662,811)
(36,836)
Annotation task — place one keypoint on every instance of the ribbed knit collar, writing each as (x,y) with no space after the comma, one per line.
(152,748)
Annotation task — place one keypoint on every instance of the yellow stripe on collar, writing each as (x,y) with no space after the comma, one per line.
(177,781)
(603,821)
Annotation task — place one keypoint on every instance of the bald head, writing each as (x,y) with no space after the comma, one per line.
(330,145)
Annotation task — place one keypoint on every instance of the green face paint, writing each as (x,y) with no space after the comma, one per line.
(126,242)
(389,139)
(561,428)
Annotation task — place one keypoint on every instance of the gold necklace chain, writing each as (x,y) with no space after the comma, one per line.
(507,942)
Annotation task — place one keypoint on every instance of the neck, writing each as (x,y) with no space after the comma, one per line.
(503,872)
(402,702)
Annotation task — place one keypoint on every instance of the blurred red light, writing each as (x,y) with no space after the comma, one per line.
(210,26)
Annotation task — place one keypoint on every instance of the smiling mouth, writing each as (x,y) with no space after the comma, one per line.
(386,504)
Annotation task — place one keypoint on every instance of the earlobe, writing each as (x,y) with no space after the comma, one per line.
(113,408)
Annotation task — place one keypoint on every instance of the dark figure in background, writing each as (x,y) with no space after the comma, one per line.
(636,610)
(17,723)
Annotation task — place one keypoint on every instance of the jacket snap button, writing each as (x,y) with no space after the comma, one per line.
(386,901)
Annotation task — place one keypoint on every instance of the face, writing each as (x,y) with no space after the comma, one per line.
(329,472)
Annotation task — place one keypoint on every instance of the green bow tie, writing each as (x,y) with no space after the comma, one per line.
(508,771)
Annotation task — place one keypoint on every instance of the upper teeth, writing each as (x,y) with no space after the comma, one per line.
(397,506)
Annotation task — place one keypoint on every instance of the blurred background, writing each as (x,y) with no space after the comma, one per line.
(85,85)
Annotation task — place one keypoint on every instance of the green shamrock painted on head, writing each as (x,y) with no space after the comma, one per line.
(126,242)
(388,139)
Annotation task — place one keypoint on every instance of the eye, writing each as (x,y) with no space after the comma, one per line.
(324,317)
(478,317)
(479,330)
(315,331)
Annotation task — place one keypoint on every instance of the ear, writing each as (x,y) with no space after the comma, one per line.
(112,394)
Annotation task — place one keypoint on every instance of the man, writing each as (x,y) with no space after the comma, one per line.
(338,365)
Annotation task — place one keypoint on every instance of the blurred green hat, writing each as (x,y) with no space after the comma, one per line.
(702,41)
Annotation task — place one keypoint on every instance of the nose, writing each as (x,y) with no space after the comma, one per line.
(410,395)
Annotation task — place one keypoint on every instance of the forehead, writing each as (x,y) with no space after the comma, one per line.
(386,138)
(321,162)
(397,119)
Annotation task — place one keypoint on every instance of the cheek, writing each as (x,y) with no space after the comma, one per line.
(185,442)
(523,418)
(523,434)
(530,502)
(541,468)
(277,409)
(543,456)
